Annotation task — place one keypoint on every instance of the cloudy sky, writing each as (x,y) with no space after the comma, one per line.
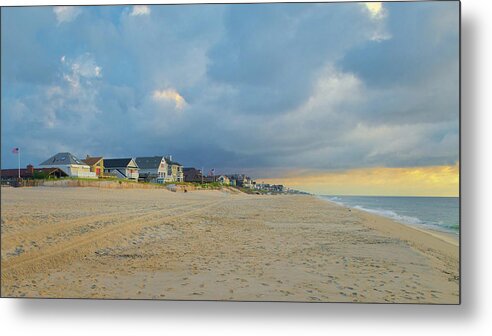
(311,95)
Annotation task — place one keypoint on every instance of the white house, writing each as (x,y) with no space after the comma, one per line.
(69,164)
(153,169)
(125,168)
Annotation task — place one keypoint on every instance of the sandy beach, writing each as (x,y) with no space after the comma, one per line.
(215,245)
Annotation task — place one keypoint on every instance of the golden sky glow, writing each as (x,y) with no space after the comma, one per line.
(170,95)
(375,9)
(414,181)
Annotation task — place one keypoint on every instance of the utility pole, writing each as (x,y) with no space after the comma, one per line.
(19,163)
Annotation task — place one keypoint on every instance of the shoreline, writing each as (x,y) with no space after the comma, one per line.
(448,236)
(417,237)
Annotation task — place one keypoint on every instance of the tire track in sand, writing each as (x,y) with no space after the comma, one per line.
(73,249)
(11,240)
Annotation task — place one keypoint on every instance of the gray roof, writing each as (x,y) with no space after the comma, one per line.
(170,162)
(117,163)
(149,162)
(62,159)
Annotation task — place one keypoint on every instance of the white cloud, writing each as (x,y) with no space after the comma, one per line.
(380,35)
(74,98)
(377,13)
(82,67)
(66,13)
(138,10)
(301,133)
(97,71)
(333,88)
(419,140)
(170,95)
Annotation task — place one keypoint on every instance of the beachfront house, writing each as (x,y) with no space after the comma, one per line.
(248,182)
(223,179)
(241,180)
(153,169)
(69,164)
(275,188)
(191,174)
(96,164)
(125,168)
(11,175)
(196,176)
(174,170)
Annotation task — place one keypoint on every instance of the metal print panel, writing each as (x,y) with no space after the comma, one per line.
(246,152)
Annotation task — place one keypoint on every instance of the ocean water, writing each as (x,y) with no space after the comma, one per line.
(436,213)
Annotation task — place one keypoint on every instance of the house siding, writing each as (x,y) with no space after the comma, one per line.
(157,175)
(82,171)
(131,171)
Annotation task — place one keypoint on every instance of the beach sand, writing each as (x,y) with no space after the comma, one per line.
(215,245)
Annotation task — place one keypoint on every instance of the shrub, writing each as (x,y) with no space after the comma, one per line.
(40,175)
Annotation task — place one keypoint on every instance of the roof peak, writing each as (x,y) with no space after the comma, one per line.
(62,158)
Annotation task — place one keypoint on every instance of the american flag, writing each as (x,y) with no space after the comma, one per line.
(15,150)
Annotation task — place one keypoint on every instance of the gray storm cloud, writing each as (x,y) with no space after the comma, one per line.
(238,87)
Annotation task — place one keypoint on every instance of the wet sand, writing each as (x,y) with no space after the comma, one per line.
(215,245)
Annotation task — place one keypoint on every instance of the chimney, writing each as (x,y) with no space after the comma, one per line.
(30,169)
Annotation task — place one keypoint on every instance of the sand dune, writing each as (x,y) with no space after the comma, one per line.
(214,245)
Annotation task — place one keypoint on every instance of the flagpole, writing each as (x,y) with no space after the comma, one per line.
(19,161)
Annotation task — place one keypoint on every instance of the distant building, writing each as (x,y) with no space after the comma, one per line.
(195,175)
(276,188)
(174,170)
(70,164)
(96,164)
(125,168)
(224,180)
(241,180)
(210,178)
(191,174)
(247,182)
(30,172)
(153,169)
